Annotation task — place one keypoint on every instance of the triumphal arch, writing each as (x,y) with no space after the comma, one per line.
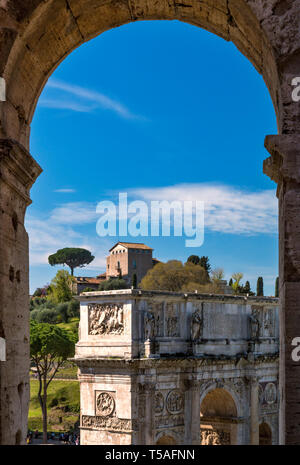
(35,36)
(167,368)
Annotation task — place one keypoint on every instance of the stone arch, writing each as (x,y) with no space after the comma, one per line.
(218,418)
(165,439)
(265,434)
(44,33)
(212,386)
(36,36)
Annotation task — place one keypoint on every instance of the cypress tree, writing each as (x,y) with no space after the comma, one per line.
(134,281)
(260,287)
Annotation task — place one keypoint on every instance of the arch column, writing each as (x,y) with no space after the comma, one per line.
(146,393)
(283,167)
(18,171)
(192,433)
(254,412)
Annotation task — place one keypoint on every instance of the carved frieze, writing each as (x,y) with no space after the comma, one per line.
(175,401)
(262,322)
(172,320)
(106,319)
(268,323)
(156,309)
(159,403)
(167,421)
(270,393)
(213,437)
(110,423)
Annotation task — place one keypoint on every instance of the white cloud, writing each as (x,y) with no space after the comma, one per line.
(65,105)
(58,230)
(86,100)
(227,209)
(65,191)
(74,213)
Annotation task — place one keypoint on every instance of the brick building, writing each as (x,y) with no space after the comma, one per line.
(128,258)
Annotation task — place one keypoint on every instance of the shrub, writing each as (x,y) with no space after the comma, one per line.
(113,284)
(62,310)
(74,309)
(47,315)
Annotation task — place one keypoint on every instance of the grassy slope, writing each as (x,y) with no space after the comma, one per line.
(63,403)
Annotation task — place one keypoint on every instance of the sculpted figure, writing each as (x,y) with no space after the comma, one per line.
(149,322)
(254,325)
(196,326)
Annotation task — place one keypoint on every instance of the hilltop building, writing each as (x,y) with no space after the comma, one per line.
(124,260)
(128,258)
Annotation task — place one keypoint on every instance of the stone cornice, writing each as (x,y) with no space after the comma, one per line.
(284,162)
(126,294)
(18,169)
(184,362)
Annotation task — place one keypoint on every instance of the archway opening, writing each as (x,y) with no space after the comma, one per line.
(49,32)
(218,418)
(166,440)
(265,435)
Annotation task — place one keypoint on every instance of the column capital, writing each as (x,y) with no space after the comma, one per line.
(284,162)
(18,169)
(192,384)
(147,387)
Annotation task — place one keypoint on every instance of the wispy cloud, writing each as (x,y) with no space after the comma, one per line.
(65,105)
(65,191)
(227,209)
(60,228)
(76,213)
(85,100)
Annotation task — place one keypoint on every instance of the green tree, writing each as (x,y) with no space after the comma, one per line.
(204,262)
(260,287)
(237,277)
(60,289)
(194,259)
(246,289)
(50,346)
(72,257)
(174,276)
(277,287)
(134,281)
(113,284)
(230,282)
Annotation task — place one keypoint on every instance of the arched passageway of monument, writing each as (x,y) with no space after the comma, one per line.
(218,418)
(166,440)
(265,434)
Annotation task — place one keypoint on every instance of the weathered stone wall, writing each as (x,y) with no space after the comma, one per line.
(35,36)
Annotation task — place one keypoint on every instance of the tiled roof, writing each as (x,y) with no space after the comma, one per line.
(132,245)
(84,279)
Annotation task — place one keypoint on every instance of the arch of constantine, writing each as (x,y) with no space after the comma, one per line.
(35,36)
(167,368)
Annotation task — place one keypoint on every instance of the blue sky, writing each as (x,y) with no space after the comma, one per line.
(162,110)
